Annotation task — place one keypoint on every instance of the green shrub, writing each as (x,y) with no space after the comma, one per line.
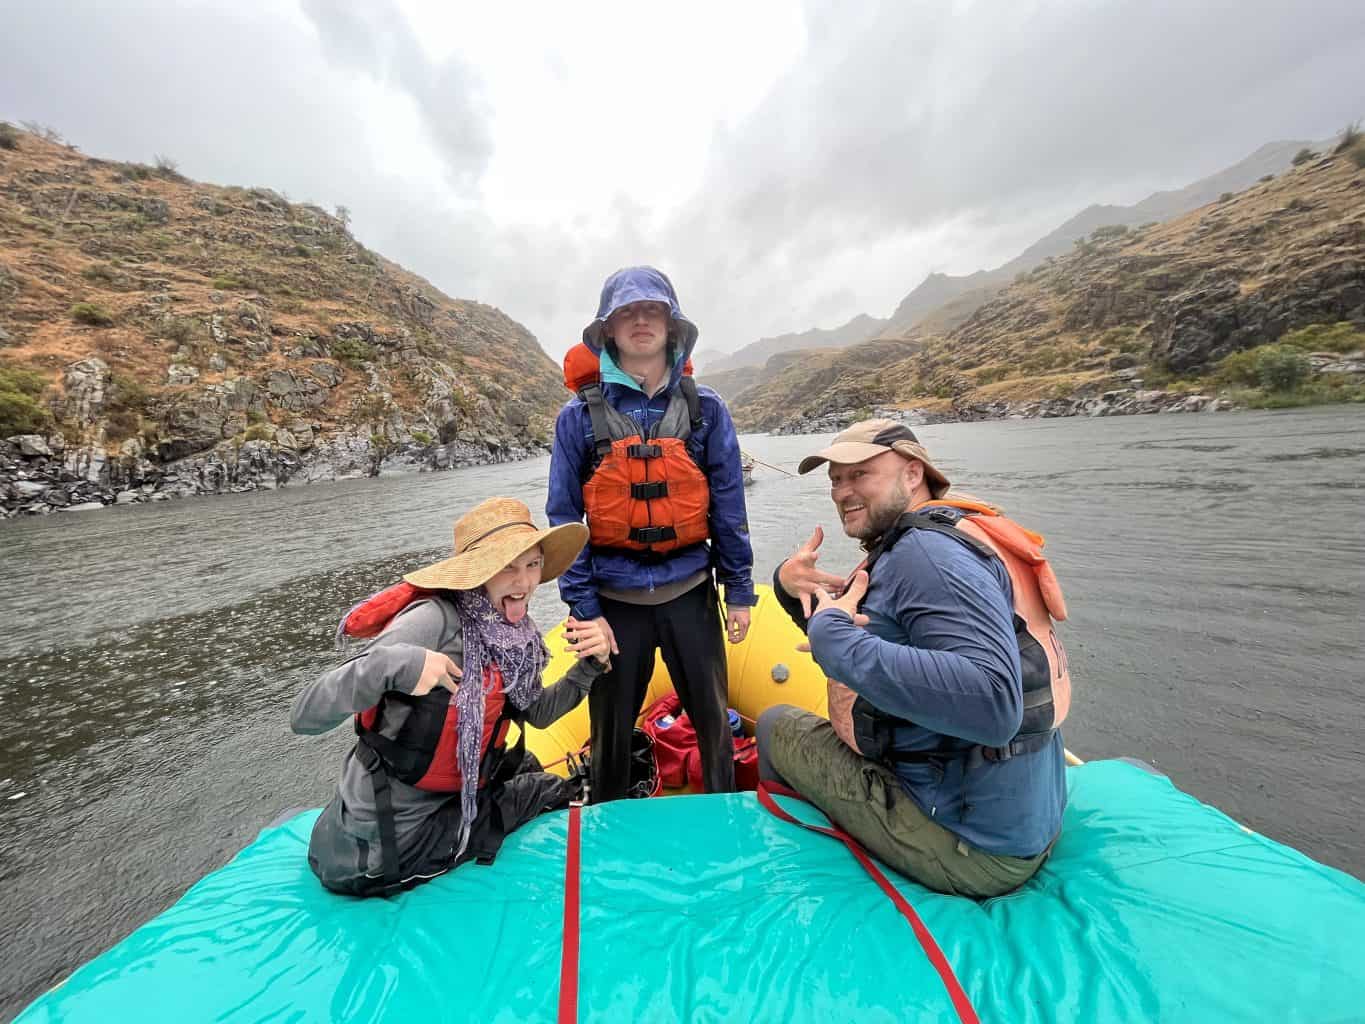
(9,138)
(1226,196)
(92,314)
(1273,368)
(135,172)
(421,437)
(1350,135)
(1266,177)
(168,168)
(183,330)
(1339,337)
(101,273)
(1109,231)
(1237,368)
(1357,154)
(258,432)
(352,351)
(21,411)
(1303,156)
(228,283)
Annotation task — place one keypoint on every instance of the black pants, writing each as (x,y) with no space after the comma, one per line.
(688,632)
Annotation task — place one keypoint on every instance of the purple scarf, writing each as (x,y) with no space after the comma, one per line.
(520,655)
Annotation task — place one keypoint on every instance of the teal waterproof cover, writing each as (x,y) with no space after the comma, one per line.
(1153,907)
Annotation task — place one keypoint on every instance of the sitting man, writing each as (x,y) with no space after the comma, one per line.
(940,754)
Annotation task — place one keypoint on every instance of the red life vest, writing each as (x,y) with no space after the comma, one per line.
(422,750)
(643,493)
(1038,602)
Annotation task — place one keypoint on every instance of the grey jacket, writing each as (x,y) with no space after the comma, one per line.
(393,661)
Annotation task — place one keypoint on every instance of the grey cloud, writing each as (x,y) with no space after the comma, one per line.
(902,118)
(372,37)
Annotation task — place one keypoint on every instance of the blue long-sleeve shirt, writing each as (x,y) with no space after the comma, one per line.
(939,650)
(717,446)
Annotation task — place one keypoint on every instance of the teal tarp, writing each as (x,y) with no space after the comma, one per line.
(1153,907)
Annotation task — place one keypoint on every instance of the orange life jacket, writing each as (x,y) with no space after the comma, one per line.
(1038,603)
(422,751)
(642,493)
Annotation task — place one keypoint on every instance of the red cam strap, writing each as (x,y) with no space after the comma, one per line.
(965,1012)
(568,957)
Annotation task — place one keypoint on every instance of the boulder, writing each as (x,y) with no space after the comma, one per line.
(330,374)
(31,445)
(85,386)
(293,393)
(182,373)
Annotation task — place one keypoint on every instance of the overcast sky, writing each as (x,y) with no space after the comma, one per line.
(788,164)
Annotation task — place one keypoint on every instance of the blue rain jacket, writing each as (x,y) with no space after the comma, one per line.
(715,446)
(940,651)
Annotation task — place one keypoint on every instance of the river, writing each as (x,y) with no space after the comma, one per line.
(1213,565)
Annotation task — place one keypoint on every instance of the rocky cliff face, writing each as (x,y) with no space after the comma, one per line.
(1124,307)
(188,337)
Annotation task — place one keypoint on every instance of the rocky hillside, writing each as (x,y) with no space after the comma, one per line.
(1260,294)
(973,290)
(160,337)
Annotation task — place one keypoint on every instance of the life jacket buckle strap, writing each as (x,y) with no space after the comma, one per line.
(649,491)
(368,757)
(653,534)
(645,451)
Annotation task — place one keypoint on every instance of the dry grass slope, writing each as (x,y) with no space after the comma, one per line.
(190,292)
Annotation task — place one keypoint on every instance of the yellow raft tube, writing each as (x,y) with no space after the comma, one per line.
(765,669)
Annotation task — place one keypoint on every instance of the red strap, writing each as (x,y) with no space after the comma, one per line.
(568,957)
(965,1012)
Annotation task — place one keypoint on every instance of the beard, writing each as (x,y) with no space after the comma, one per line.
(882,514)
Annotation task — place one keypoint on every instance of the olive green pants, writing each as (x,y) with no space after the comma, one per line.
(866,800)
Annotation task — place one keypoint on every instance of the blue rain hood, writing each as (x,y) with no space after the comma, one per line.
(642,284)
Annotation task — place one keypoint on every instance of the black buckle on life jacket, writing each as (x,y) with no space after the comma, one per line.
(368,757)
(1028,743)
(652,534)
(649,491)
(645,451)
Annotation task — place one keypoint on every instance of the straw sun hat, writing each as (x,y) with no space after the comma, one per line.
(493,534)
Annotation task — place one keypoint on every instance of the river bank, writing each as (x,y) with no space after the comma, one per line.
(40,475)
(1118,402)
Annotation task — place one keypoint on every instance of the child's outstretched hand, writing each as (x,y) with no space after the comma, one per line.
(587,639)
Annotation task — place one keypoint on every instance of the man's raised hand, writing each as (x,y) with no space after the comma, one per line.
(801,579)
(848,601)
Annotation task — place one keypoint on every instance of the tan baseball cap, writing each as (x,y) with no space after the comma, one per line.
(870,438)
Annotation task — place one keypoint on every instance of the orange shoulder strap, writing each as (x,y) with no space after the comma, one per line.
(1007,535)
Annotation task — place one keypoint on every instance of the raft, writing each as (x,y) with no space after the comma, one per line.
(1152,907)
